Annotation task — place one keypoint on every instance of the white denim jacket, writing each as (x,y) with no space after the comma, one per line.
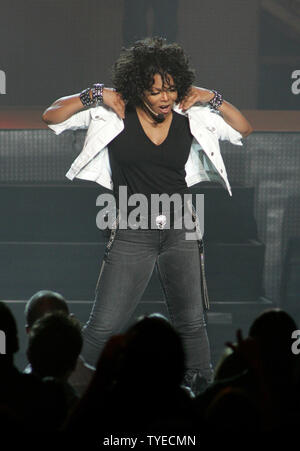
(103,124)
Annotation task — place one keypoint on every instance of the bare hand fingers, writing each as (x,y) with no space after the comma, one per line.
(122,111)
(184,105)
(188,101)
(119,107)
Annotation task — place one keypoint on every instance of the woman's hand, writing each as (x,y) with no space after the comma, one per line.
(63,108)
(115,101)
(230,113)
(195,95)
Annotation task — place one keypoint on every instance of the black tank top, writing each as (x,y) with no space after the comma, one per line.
(146,168)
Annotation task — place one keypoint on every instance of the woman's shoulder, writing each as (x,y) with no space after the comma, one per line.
(196,109)
(202,114)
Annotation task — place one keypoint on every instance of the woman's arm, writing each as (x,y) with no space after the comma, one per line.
(235,118)
(230,113)
(62,109)
(65,107)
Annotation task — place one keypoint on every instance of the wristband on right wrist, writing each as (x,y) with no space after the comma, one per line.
(85,97)
(92,96)
(97,93)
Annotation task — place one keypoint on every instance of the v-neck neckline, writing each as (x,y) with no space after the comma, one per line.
(148,138)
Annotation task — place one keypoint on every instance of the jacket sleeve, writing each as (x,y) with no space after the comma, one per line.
(77,121)
(225,131)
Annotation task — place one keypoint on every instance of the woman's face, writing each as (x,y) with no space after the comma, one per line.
(161,97)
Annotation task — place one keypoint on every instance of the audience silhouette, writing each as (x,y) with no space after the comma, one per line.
(42,302)
(137,384)
(24,398)
(54,345)
(137,388)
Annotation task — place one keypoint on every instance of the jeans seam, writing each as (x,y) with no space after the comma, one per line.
(164,287)
(100,274)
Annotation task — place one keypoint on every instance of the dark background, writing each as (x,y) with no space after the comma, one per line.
(247,49)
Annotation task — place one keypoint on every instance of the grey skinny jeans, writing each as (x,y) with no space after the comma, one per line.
(129,260)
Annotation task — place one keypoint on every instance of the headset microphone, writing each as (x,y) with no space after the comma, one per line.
(158,117)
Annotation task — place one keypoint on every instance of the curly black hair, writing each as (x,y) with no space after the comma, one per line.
(133,72)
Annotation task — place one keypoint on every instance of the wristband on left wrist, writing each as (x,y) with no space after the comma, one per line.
(216,101)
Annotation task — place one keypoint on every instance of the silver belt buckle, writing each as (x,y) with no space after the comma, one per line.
(161,221)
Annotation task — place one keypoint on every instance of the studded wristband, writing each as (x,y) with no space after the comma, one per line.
(216,101)
(85,98)
(97,93)
(92,96)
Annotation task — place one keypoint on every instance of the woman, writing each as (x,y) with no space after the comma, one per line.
(153,133)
